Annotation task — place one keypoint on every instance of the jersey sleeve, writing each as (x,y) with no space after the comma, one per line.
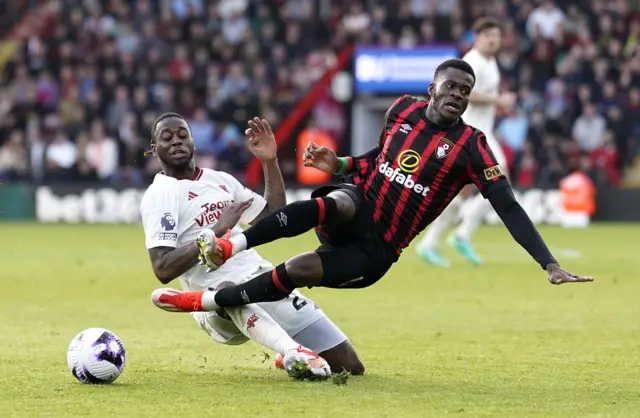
(242,194)
(160,213)
(483,168)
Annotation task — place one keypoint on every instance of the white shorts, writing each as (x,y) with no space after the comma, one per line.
(497,150)
(298,315)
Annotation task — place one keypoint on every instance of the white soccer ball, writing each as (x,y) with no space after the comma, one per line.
(96,356)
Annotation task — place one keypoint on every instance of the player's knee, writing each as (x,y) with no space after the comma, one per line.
(346,206)
(343,358)
(224,285)
(222,312)
(305,269)
(355,367)
(353,363)
(349,363)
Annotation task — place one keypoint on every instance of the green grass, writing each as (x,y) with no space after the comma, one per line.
(491,341)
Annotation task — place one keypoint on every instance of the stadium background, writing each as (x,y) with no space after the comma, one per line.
(82,79)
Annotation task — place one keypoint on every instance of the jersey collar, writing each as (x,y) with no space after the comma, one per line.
(196,175)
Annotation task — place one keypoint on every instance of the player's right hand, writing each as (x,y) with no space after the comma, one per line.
(231,215)
(321,158)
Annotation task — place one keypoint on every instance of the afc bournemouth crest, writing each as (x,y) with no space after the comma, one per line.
(444,147)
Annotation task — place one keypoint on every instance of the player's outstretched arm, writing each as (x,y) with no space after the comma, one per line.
(170,263)
(525,233)
(486,174)
(262,144)
(326,160)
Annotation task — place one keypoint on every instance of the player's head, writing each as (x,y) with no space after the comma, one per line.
(171,141)
(488,36)
(450,89)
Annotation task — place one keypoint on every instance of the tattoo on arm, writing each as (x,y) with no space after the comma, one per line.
(274,192)
(169,263)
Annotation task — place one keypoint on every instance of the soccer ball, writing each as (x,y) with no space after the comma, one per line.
(96,356)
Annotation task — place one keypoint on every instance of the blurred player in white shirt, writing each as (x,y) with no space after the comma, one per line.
(185,200)
(481,114)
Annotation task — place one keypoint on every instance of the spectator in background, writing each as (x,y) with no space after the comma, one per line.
(589,128)
(312,133)
(604,161)
(619,125)
(22,89)
(70,110)
(575,21)
(14,164)
(118,108)
(634,117)
(84,170)
(513,131)
(577,194)
(545,21)
(557,102)
(202,131)
(35,142)
(234,27)
(525,172)
(356,20)
(632,40)
(60,157)
(101,152)
(235,82)
(47,91)
(126,62)
(228,148)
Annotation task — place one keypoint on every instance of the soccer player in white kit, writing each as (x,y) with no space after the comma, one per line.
(481,114)
(184,200)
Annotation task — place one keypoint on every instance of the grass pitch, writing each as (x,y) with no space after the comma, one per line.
(491,341)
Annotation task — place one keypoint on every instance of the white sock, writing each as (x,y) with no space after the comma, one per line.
(239,243)
(440,225)
(209,301)
(479,208)
(259,326)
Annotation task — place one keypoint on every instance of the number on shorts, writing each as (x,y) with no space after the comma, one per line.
(297,304)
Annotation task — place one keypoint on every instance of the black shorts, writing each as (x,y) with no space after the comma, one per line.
(354,254)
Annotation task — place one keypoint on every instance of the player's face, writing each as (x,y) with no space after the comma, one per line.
(174,145)
(489,41)
(450,93)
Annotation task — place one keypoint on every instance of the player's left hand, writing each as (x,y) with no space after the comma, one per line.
(262,143)
(558,276)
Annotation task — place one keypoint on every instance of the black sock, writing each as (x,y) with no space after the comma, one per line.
(292,220)
(268,287)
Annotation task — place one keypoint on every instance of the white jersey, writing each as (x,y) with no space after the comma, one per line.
(174,211)
(487,72)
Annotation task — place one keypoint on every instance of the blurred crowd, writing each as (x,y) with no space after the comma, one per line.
(77,101)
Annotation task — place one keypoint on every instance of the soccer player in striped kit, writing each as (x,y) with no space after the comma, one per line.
(425,156)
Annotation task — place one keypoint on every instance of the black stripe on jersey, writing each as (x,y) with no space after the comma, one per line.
(447,180)
(375,188)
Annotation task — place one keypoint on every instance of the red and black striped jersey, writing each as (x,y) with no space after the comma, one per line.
(419,167)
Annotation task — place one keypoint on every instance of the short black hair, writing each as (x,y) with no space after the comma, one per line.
(456,63)
(485,23)
(161,118)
